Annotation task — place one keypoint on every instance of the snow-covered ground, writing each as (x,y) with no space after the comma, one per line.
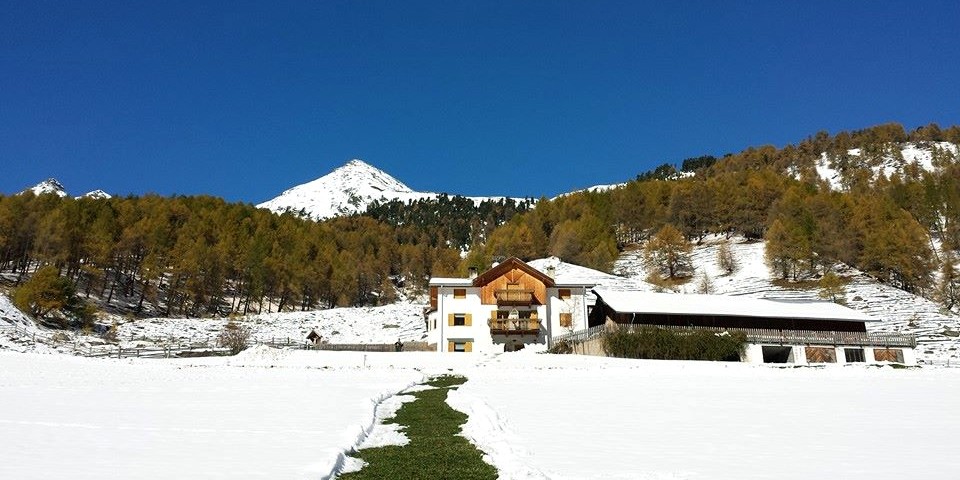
(296,414)
(887,165)
(545,416)
(386,324)
(69,417)
(897,310)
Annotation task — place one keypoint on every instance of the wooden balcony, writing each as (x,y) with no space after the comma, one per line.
(516,326)
(514,297)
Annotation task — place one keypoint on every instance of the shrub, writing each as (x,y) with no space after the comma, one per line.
(234,336)
(562,347)
(665,344)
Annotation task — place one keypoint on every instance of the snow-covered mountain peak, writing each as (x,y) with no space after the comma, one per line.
(96,194)
(347,190)
(357,174)
(50,185)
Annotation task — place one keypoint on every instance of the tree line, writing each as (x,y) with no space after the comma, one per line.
(200,255)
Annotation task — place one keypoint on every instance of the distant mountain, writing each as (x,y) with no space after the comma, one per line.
(50,185)
(53,186)
(347,190)
(96,194)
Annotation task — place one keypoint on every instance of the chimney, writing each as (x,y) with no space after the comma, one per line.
(551,271)
(472,272)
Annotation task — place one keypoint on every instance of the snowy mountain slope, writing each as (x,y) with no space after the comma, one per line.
(96,194)
(50,185)
(887,163)
(898,311)
(347,190)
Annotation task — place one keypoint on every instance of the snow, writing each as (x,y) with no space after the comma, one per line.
(98,419)
(543,416)
(386,324)
(593,189)
(349,189)
(722,305)
(50,185)
(570,274)
(887,165)
(96,194)
(270,413)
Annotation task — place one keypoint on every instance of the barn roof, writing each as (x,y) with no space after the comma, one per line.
(726,305)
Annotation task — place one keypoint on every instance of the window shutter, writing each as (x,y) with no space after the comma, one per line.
(468,319)
(450,346)
(468,346)
(450,319)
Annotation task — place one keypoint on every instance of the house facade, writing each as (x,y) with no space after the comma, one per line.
(509,307)
(778,331)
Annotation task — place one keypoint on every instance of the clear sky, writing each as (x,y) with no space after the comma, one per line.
(525,98)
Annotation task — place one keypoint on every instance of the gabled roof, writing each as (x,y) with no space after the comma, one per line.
(510,264)
(726,305)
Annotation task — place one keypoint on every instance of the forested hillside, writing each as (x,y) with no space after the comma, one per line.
(897,220)
(200,255)
(882,210)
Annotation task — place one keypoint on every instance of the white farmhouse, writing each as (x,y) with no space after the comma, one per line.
(507,308)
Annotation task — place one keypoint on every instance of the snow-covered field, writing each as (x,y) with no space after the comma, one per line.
(69,417)
(386,324)
(294,414)
(543,416)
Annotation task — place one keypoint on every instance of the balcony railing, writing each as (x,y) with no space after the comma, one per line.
(514,297)
(515,326)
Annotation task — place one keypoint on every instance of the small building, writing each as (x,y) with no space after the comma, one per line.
(509,307)
(778,331)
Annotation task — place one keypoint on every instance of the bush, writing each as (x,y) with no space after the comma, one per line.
(561,347)
(234,336)
(665,344)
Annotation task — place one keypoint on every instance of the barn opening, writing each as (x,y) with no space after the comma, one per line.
(853,355)
(777,354)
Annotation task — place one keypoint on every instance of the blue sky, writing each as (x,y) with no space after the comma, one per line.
(245,99)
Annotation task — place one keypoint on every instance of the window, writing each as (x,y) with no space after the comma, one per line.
(854,355)
(459,346)
(459,320)
(564,293)
(566,320)
(459,293)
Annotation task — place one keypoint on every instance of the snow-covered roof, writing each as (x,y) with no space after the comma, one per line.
(445,282)
(568,274)
(723,305)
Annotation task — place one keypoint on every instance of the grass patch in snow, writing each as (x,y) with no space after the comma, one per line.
(435,449)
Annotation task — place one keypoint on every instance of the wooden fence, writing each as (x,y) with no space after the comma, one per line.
(780,337)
